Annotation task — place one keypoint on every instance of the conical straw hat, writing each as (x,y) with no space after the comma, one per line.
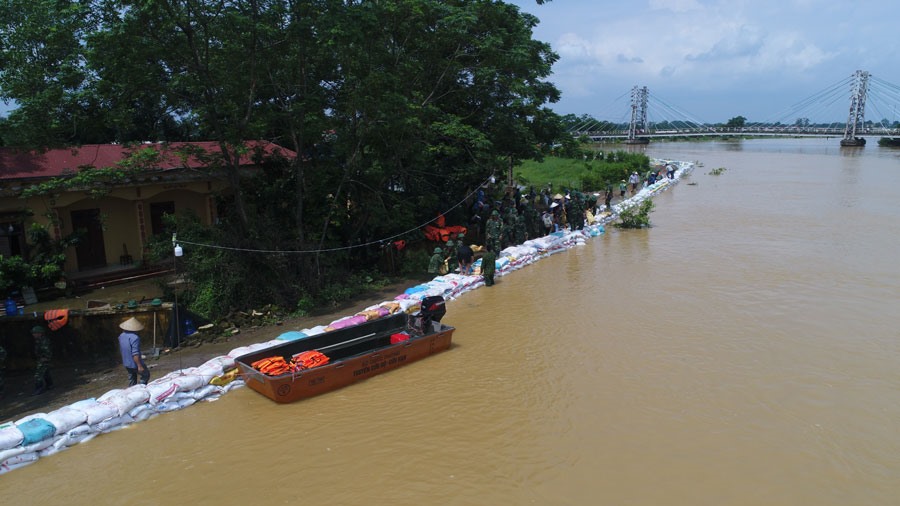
(132,325)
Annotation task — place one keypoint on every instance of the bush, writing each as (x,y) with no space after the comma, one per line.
(636,216)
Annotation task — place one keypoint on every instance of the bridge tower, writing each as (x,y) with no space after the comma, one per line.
(638,123)
(857,118)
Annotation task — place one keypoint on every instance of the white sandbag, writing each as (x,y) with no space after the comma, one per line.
(40,445)
(174,404)
(243,350)
(10,453)
(66,419)
(223,361)
(96,411)
(136,411)
(22,458)
(159,391)
(238,383)
(114,423)
(210,370)
(318,329)
(10,436)
(205,391)
(125,400)
(80,430)
(145,414)
(50,450)
(189,380)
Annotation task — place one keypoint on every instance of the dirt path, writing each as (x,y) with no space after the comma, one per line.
(84,380)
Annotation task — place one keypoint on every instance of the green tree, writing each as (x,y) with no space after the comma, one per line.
(736,122)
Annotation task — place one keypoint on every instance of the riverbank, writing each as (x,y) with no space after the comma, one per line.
(86,379)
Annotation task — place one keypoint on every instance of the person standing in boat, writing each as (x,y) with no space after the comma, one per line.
(130,349)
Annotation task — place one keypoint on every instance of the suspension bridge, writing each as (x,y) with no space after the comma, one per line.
(864,89)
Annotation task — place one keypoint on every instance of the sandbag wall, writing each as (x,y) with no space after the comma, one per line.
(42,434)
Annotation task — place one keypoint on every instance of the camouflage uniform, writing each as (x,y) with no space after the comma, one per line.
(436,262)
(450,248)
(533,222)
(508,230)
(520,230)
(42,379)
(493,231)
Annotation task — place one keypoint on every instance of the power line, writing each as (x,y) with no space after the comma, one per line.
(329,250)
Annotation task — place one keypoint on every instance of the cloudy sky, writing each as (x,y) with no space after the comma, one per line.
(711,60)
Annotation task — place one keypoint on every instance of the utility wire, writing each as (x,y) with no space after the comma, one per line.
(328,250)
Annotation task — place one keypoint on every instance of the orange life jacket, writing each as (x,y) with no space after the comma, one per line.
(272,366)
(56,318)
(309,359)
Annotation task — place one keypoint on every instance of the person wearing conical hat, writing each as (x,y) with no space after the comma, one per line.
(130,349)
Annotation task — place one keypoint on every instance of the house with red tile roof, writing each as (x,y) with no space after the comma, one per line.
(116,222)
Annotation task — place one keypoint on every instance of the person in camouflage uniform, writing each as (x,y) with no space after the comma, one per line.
(508,230)
(436,263)
(450,250)
(488,266)
(43,353)
(577,217)
(520,230)
(533,223)
(493,231)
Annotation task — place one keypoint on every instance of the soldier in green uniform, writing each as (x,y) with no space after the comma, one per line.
(493,231)
(450,249)
(436,264)
(520,230)
(488,266)
(508,229)
(43,354)
(533,223)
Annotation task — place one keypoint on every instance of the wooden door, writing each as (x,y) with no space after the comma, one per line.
(90,250)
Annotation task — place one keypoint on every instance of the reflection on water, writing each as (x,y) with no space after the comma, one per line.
(741,351)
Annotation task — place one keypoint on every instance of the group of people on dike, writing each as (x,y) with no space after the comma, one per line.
(129,347)
(520,217)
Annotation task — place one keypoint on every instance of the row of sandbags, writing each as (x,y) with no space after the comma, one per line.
(42,434)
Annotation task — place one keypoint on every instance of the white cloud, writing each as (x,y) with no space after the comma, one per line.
(770,53)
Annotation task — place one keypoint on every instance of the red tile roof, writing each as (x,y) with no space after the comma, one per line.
(56,162)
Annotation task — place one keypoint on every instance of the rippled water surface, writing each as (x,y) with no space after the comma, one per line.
(743,351)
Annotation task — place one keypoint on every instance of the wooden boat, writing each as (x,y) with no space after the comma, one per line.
(354,353)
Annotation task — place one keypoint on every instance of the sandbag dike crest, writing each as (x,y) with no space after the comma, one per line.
(39,435)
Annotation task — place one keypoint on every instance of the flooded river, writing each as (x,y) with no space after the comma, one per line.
(743,351)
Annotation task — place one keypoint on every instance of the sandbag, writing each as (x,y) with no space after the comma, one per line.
(65,419)
(18,461)
(159,391)
(36,430)
(10,436)
(95,411)
(10,453)
(226,377)
(205,391)
(114,423)
(124,400)
(292,335)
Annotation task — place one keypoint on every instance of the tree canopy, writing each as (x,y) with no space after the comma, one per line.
(396,108)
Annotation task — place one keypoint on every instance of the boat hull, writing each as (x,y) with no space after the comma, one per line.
(358,356)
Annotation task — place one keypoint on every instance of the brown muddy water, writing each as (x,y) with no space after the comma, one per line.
(743,351)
